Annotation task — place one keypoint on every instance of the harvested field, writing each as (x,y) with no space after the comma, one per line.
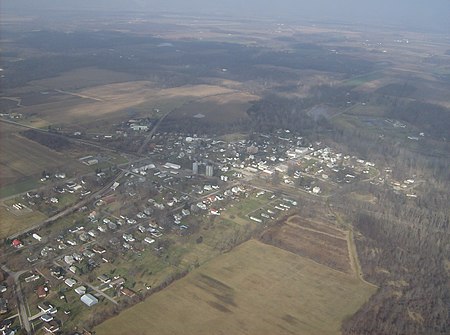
(112,100)
(82,78)
(296,220)
(254,289)
(225,108)
(321,243)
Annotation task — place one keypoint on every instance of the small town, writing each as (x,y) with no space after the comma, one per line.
(211,167)
(159,209)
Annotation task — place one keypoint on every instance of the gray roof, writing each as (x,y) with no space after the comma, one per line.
(89,299)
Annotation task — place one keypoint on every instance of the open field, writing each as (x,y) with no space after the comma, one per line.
(114,101)
(82,78)
(224,108)
(22,162)
(322,243)
(255,289)
(18,152)
(10,223)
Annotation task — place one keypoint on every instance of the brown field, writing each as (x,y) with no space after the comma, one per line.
(22,160)
(296,220)
(111,100)
(223,108)
(21,157)
(254,289)
(81,78)
(319,242)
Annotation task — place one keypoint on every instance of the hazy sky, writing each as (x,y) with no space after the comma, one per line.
(432,14)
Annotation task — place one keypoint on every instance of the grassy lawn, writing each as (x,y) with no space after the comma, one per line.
(19,187)
(10,223)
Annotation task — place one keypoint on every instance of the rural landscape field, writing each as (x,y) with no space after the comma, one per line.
(174,173)
(254,289)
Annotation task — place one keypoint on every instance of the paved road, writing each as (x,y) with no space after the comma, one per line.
(151,133)
(22,305)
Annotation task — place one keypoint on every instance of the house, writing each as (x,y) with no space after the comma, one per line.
(46,317)
(69,259)
(70,282)
(215,212)
(37,237)
(127,292)
(51,327)
(16,243)
(137,127)
(41,291)
(117,282)
(88,299)
(45,307)
(172,166)
(98,249)
(31,278)
(88,253)
(32,259)
(3,306)
(104,279)
(57,272)
(81,290)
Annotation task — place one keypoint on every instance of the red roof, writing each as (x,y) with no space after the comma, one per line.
(16,242)
(40,291)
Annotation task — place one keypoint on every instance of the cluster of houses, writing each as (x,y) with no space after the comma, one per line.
(175,172)
(264,155)
(3,289)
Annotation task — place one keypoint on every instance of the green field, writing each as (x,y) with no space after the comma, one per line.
(255,289)
(10,224)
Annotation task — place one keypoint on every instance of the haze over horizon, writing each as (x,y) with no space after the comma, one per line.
(412,14)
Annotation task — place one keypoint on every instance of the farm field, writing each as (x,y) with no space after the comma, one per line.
(84,102)
(10,223)
(320,242)
(81,78)
(22,162)
(16,154)
(223,108)
(254,289)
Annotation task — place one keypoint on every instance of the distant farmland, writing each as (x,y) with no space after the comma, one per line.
(254,289)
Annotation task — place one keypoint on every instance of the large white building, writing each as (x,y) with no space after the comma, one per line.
(209,170)
(195,167)
(89,300)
